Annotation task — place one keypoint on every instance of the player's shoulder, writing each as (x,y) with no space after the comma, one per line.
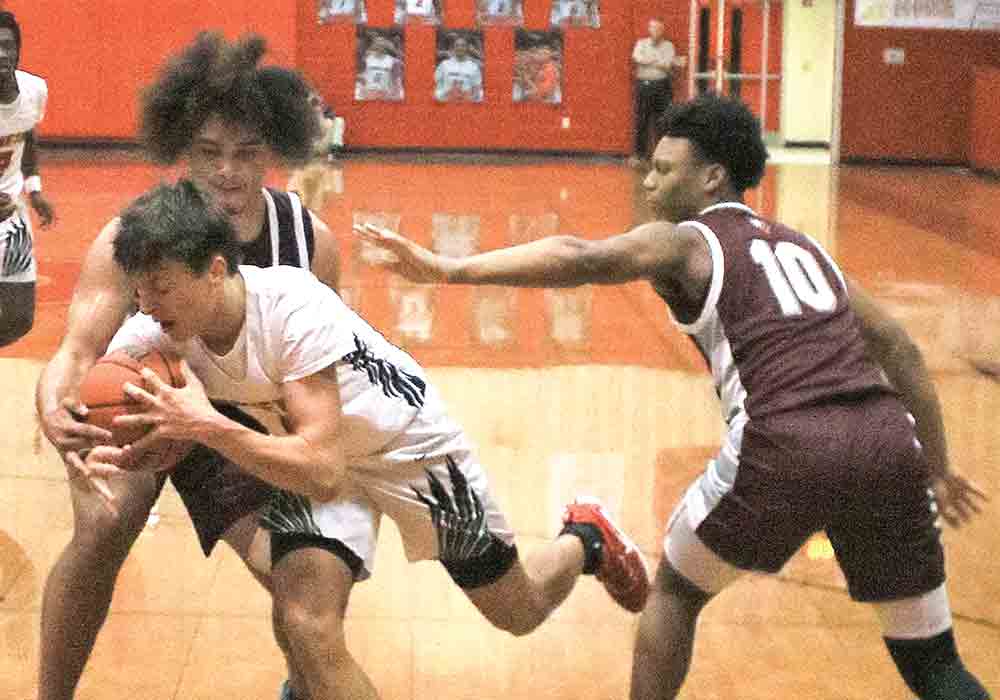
(283,284)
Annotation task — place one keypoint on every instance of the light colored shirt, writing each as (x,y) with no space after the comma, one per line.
(653,61)
(16,120)
(296,326)
(463,77)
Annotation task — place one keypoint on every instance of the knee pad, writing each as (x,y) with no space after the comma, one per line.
(932,669)
(487,568)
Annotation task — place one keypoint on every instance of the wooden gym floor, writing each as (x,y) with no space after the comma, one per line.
(566,392)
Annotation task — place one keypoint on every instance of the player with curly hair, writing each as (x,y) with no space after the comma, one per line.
(228,118)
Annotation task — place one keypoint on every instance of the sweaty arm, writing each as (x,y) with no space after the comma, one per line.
(100,303)
(957,498)
(653,250)
(326,254)
(895,351)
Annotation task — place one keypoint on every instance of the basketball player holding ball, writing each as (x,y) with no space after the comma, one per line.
(214,107)
(356,431)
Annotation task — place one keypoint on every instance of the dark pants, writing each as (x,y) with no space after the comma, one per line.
(652,97)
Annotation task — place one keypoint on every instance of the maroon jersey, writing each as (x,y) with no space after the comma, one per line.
(815,438)
(776,327)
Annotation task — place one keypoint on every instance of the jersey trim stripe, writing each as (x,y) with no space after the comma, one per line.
(718,274)
(300,232)
(272,220)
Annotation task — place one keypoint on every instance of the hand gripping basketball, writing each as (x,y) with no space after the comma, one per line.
(103,392)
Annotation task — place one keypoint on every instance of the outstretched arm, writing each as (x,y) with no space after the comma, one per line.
(651,250)
(889,344)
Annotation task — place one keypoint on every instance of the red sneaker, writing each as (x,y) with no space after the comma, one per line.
(622,570)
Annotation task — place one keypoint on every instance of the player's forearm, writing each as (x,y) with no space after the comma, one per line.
(904,365)
(556,261)
(61,377)
(287,461)
(29,157)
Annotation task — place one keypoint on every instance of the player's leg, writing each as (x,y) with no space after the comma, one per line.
(17,277)
(475,546)
(17,310)
(889,547)
(514,595)
(918,633)
(79,587)
(253,545)
(643,109)
(224,503)
(689,575)
(317,553)
(312,585)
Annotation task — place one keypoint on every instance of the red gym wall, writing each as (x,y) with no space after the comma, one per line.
(920,110)
(95,55)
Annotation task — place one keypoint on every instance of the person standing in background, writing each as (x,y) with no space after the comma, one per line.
(654,59)
(22,106)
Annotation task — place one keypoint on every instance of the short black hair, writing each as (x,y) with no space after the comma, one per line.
(9,21)
(174,223)
(215,77)
(723,130)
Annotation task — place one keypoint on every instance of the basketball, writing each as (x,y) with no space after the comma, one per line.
(102,391)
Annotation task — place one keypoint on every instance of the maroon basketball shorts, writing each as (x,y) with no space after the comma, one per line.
(853,469)
(215,491)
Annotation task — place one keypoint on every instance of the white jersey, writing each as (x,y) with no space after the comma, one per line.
(296,326)
(396,435)
(16,120)
(465,76)
(379,74)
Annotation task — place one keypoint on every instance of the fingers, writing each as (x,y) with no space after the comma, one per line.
(67,428)
(75,407)
(977,490)
(959,500)
(95,482)
(153,381)
(189,376)
(379,235)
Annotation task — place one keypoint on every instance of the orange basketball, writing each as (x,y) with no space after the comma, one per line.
(102,391)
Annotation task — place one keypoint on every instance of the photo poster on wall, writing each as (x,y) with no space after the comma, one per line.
(929,14)
(380,64)
(576,13)
(421,11)
(458,75)
(353,11)
(502,12)
(538,58)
